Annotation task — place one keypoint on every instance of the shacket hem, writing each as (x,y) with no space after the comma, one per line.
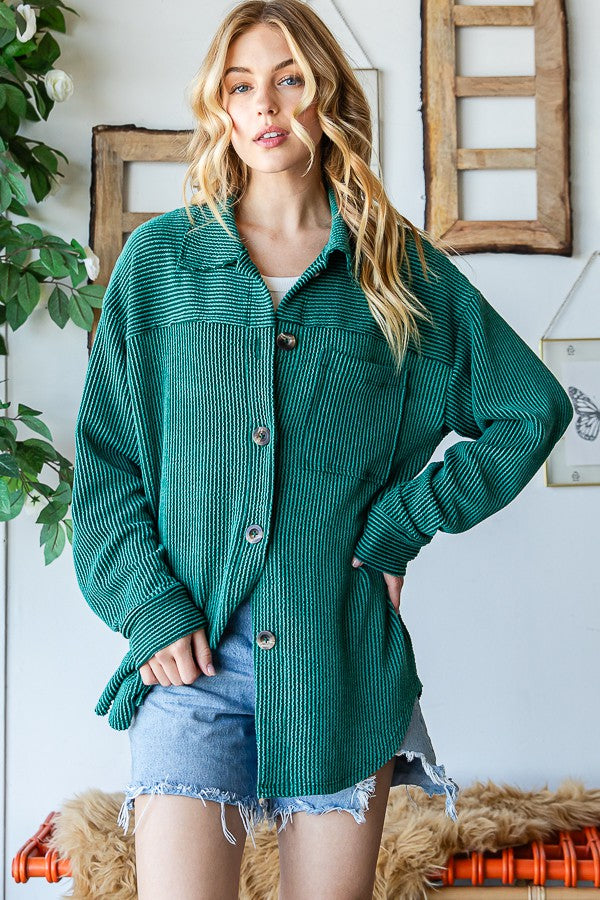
(393,739)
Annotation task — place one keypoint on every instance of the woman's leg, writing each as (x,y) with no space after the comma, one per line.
(190,743)
(331,855)
(181,851)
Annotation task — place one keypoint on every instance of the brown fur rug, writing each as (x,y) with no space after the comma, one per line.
(417,841)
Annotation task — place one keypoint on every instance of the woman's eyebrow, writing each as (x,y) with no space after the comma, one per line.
(281,65)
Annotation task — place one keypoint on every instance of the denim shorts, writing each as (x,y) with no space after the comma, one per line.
(199,740)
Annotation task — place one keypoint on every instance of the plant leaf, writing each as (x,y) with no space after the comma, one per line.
(37,425)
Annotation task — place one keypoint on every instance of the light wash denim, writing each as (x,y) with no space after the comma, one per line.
(199,740)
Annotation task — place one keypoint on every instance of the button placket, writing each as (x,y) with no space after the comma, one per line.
(254,533)
(262,436)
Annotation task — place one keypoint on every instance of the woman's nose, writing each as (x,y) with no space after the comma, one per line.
(265,102)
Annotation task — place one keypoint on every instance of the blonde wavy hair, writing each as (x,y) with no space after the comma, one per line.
(378,231)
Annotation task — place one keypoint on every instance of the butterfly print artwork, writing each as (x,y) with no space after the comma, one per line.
(587,423)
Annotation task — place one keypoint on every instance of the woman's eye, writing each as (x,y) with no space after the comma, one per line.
(293,78)
(296,78)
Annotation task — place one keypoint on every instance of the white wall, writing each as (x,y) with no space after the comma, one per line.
(504,618)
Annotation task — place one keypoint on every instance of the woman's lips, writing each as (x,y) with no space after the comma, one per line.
(272,142)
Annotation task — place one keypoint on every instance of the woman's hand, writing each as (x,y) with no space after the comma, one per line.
(180,662)
(394,584)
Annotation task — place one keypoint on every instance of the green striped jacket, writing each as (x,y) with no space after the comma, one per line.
(225,449)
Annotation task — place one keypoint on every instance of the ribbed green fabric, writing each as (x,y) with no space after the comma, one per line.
(189,359)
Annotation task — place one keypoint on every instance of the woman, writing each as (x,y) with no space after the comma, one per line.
(258,411)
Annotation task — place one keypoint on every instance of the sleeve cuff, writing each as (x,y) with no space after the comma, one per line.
(158,623)
(384,546)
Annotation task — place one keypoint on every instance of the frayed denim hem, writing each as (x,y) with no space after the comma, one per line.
(315,804)
(252,811)
(440,782)
(249,809)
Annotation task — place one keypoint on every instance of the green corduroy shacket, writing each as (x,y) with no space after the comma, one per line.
(227,450)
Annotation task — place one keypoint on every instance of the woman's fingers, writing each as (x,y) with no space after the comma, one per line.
(147,675)
(394,586)
(165,669)
(202,652)
(175,663)
(180,662)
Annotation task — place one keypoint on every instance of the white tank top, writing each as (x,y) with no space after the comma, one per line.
(279,285)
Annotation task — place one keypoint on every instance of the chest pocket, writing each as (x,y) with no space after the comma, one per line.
(355,417)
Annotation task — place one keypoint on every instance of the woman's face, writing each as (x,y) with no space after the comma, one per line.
(261,94)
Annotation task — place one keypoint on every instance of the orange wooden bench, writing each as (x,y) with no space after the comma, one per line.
(569,857)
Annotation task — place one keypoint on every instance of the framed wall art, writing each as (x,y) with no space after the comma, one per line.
(575,361)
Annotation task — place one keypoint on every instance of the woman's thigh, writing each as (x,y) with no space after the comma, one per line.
(180,849)
(331,855)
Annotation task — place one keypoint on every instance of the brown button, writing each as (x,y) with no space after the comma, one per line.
(254,533)
(286,341)
(261,435)
(265,640)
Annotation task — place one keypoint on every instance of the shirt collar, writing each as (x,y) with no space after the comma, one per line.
(206,245)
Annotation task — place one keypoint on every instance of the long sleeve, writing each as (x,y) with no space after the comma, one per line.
(119,562)
(502,396)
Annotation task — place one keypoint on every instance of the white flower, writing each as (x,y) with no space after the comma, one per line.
(30,22)
(91,263)
(59,85)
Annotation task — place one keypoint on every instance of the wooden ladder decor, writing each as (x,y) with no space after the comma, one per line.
(550,232)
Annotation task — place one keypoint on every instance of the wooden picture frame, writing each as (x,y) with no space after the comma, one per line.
(551,231)
(110,222)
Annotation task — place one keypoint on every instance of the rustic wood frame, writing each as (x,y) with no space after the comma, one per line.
(112,147)
(551,232)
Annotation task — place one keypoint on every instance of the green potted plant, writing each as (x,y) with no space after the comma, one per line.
(34,475)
